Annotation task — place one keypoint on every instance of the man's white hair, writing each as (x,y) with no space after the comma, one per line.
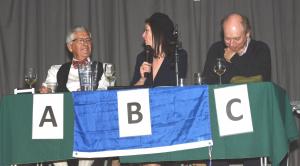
(70,36)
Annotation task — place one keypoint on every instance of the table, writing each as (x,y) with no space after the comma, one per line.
(273,124)
(16,145)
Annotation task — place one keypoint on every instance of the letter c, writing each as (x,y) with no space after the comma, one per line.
(228,110)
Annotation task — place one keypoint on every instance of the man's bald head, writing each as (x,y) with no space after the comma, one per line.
(235,19)
(236,31)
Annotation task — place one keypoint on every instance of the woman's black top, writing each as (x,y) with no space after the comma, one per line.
(166,75)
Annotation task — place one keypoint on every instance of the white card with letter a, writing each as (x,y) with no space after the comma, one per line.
(47,116)
(233,110)
(134,113)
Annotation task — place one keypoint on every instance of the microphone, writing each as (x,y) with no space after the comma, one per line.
(176,54)
(175,33)
(174,40)
(148,58)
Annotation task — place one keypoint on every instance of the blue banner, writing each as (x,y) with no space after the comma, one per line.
(179,116)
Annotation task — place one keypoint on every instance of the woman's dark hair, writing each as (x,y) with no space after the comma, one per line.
(162,29)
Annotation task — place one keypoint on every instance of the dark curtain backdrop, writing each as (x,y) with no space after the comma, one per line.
(32,34)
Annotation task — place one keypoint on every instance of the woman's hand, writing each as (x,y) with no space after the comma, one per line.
(145,68)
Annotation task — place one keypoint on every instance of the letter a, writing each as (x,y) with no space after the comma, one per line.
(52,117)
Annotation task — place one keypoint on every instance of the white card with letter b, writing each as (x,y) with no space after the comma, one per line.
(134,113)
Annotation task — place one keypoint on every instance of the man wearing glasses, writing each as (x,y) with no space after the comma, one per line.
(244,57)
(79,43)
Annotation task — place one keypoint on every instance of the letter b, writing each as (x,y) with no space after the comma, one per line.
(134,109)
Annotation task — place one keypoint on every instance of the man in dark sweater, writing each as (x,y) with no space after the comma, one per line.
(242,55)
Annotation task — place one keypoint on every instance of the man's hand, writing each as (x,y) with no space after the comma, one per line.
(44,89)
(228,54)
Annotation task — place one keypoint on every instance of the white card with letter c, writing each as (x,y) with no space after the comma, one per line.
(233,110)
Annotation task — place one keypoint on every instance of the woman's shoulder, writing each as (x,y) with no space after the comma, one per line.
(141,56)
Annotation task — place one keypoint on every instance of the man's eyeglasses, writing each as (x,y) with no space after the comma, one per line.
(82,41)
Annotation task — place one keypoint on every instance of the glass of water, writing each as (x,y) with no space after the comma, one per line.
(197,78)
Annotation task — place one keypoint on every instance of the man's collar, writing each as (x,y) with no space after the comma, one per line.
(244,50)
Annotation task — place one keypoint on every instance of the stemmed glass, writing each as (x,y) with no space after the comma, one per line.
(30,76)
(220,68)
(109,72)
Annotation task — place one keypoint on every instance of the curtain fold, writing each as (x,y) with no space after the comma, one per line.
(33,33)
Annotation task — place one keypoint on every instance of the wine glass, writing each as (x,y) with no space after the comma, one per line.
(109,72)
(30,76)
(220,68)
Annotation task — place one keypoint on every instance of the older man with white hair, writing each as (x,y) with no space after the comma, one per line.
(79,43)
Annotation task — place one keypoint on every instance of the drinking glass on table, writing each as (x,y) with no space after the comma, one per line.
(220,68)
(30,76)
(88,76)
(197,78)
(109,72)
